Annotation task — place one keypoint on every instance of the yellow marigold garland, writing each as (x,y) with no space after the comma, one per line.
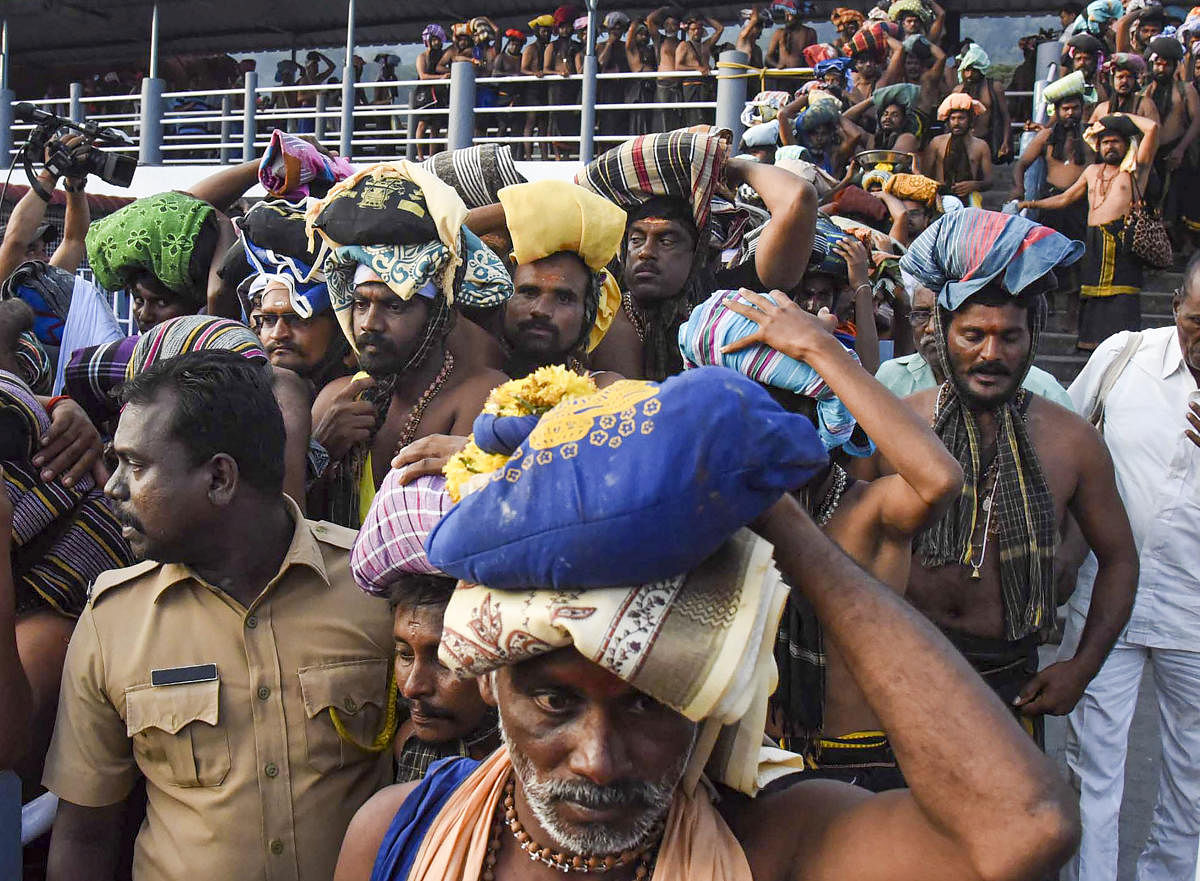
(537,393)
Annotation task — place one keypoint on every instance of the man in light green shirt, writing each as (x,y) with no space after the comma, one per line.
(908,374)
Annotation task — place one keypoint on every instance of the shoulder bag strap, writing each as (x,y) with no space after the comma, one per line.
(1111,374)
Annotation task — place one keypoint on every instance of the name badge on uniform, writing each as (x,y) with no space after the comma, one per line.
(184,675)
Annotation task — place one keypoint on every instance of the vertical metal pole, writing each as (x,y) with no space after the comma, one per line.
(150,129)
(347,149)
(249,106)
(322,105)
(154,43)
(226,128)
(731,94)
(4,49)
(6,117)
(76,106)
(460,131)
(410,130)
(587,97)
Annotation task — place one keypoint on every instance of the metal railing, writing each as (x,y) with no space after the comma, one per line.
(219,126)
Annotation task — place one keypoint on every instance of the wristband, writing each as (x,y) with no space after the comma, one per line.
(865,284)
(55,401)
(70,189)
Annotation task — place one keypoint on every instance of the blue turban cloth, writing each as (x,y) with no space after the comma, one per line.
(842,65)
(961,252)
(713,325)
(645,480)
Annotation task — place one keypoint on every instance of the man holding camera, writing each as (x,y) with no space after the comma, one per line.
(24,237)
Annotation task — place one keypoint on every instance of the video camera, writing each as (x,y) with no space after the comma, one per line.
(46,140)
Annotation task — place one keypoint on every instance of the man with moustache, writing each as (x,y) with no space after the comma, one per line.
(958,159)
(564,299)
(1086,53)
(441,715)
(867,71)
(1111,277)
(984,572)
(237,669)
(1126,71)
(1061,148)
(922,369)
(396,305)
(1179,114)
(633,757)
(310,344)
(669,258)
(990,124)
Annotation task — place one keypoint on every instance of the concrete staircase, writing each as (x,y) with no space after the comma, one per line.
(1056,350)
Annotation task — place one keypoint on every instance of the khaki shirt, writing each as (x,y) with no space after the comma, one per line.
(246,776)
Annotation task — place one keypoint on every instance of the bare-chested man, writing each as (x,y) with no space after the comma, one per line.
(1126,71)
(664,24)
(984,572)
(1111,276)
(1179,114)
(958,159)
(533,58)
(592,772)
(754,20)
(1136,28)
(1061,147)
(917,68)
(868,69)
(787,43)
(432,64)
(991,124)
(695,53)
(874,522)
(1084,52)
(847,21)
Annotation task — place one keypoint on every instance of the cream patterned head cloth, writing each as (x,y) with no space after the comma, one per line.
(701,643)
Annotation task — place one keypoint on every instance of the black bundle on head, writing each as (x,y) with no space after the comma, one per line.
(419,591)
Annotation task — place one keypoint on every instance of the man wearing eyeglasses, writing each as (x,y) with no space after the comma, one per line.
(313,347)
(910,373)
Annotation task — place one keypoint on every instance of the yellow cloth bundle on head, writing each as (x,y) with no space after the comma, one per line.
(550,216)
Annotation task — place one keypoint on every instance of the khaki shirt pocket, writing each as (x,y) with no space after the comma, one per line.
(175,734)
(357,690)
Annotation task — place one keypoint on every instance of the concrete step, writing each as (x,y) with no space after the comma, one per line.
(1064,368)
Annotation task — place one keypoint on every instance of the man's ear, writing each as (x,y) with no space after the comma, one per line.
(487,688)
(223,479)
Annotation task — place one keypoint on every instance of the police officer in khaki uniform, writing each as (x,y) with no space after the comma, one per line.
(238,669)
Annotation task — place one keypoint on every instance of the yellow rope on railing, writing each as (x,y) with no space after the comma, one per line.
(761,72)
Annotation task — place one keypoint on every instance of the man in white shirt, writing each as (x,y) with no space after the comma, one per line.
(1152,427)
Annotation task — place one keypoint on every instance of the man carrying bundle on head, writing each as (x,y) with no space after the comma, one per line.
(564,299)
(984,572)
(817,708)
(1126,71)
(1111,278)
(1178,108)
(616,700)
(991,124)
(441,715)
(847,22)
(1085,53)
(959,160)
(395,303)
(671,248)
(1063,154)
